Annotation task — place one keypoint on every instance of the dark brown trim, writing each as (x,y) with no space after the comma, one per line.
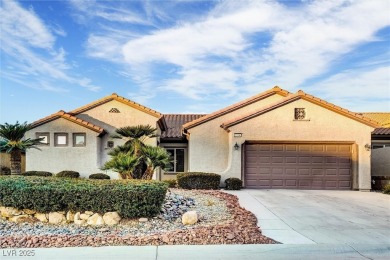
(47,134)
(297,142)
(74,139)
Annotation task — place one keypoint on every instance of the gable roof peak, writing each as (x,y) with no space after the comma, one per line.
(118,98)
(243,103)
(315,100)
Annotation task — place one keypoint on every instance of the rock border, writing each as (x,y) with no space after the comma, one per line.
(60,217)
(242,229)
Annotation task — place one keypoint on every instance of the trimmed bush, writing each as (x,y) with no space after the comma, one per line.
(4,170)
(171,183)
(37,173)
(233,184)
(68,174)
(386,189)
(198,180)
(130,198)
(99,176)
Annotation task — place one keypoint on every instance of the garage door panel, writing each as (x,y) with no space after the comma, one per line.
(290,159)
(345,172)
(304,172)
(298,166)
(291,184)
(304,159)
(291,171)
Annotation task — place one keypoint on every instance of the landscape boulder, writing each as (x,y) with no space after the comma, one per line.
(189,218)
(111,218)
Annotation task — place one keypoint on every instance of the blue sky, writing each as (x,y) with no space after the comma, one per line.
(191,56)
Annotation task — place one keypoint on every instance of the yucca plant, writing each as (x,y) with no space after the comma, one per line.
(12,141)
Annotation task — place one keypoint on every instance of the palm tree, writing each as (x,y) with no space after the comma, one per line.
(122,163)
(135,137)
(155,157)
(135,159)
(12,142)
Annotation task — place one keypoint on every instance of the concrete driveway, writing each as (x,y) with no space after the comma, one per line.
(320,217)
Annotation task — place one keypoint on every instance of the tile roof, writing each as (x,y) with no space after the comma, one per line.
(381,131)
(123,100)
(248,101)
(175,122)
(382,117)
(302,95)
(69,117)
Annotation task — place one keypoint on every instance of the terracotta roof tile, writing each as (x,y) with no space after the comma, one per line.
(175,122)
(381,131)
(302,95)
(123,100)
(248,101)
(381,117)
(72,118)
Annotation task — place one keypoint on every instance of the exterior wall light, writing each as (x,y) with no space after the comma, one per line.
(368,147)
(236,146)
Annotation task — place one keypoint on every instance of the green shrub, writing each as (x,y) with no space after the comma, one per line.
(99,176)
(68,174)
(233,184)
(130,198)
(386,189)
(37,173)
(198,180)
(4,170)
(171,183)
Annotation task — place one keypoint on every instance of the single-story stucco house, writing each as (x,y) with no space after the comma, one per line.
(275,139)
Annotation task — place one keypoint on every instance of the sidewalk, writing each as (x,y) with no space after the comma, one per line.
(295,246)
(209,252)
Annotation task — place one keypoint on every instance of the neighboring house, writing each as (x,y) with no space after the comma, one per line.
(275,139)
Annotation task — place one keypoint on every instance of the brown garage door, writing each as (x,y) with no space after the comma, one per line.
(298,166)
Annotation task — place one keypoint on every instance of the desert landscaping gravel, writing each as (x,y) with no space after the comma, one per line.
(221,221)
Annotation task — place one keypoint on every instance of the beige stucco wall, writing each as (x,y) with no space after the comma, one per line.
(56,159)
(380,161)
(128,116)
(5,160)
(89,159)
(209,145)
(212,150)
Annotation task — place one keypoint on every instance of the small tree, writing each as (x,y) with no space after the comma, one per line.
(135,159)
(122,163)
(155,157)
(11,141)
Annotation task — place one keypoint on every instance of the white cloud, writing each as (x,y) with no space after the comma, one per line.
(99,9)
(21,24)
(303,44)
(23,32)
(357,90)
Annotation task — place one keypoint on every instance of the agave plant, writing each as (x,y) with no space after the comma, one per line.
(12,141)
